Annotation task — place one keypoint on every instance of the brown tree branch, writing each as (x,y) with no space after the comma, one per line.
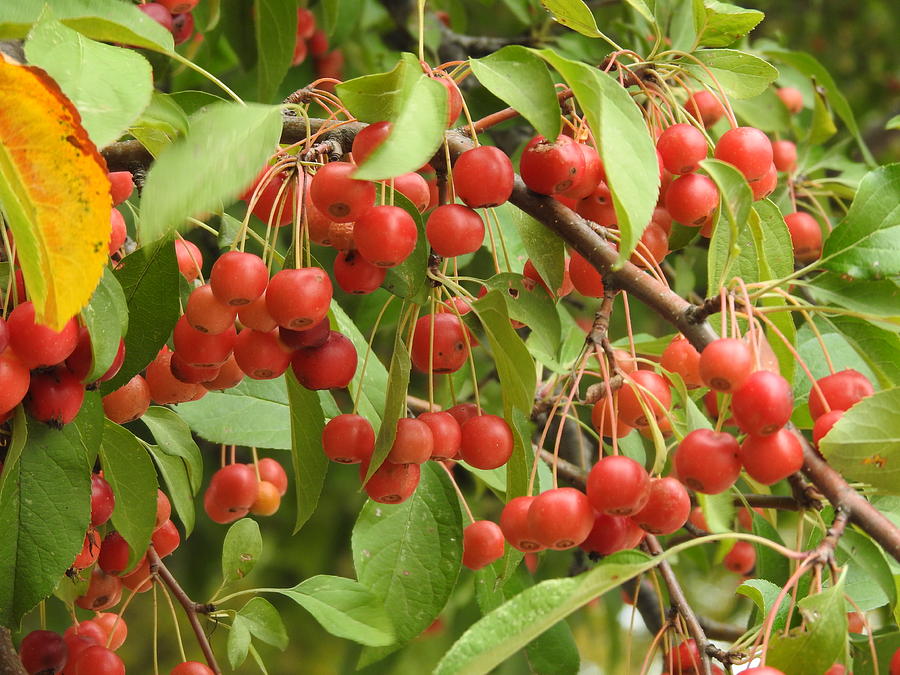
(10,664)
(191,608)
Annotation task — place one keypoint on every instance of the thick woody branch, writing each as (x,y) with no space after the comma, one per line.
(9,658)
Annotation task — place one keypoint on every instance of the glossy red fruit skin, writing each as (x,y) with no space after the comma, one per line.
(270,207)
(683,659)
(139,580)
(104,591)
(128,402)
(646,386)
(842,390)
(55,396)
(585,277)
(311,337)
(103,501)
(412,186)
(89,550)
(691,198)
(271,470)
(784,155)
(98,660)
(206,314)
(588,180)
(447,351)
(823,425)
(483,177)
(463,412)
(707,461)
(763,403)
(766,185)
(75,645)
(486,442)
(16,379)
(178,6)
(483,543)
(299,298)
(806,236)
(354,274)
(385,235)
(741,558)
(262,356)
(339,196)
(618,486)
(454,229)
(454,98)
(598,207)
(611,534)
(191,668)
(551,167)
(218,512)
(413,442)
(43,650)
(238,278)
(792,99)
(202,349)
(118,233)
(667,509)
(121,185)
(190,260)
(329,366)
(88,630)
(268,500)
(895,663)
(114,625)
(446,434)
(725,364)
(165,539)
(391,483)
(769,459)
(116,364)
(114,554)
(766,670)
(230,375)
(37,345)
(182,27)
(256,316)
(681,357)
(606,425)
(652,247)
(682,148)
(368,139)
(746,148)
(706,107)
(560,518)
(235,484)
(158,13)
(185,372)
(515,525)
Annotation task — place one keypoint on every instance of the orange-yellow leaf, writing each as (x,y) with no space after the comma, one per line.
(54,193)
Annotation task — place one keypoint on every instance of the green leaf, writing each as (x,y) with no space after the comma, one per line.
(45,507)
(175,474)
(255,413)
(395,401)
(643,9)
(821,128)
(628,153)
(414,103)
(173,436)
(764,594)
(893,123)
(766,112)
(864,244)
(130,473)
(223,151)
(574,14)
(149,279)
(869,581)
(544,247)
(310,463)
(725,247)
(373,392)
(718,511)
(503,72)
(771,566)
(771,241)
(505,630)
(407,280)
(160,124)
(106,319)
(551,653)
(877,299)
(240,550)
(740,75)
(259,619)
(877,347)
(864,444)
(810,649)
(344,608)
(111,21)
(887,642)
(726,23)
(810,67)
(275,24)
(409,554)
(533,308)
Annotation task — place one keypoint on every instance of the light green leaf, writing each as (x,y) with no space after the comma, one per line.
(864,444)
(764,594)
(893,123)
(503,72)
(109,86)
(174,472)
(724,23)
(877,347)
(741,75)
(869,581)
(821,128)
(374,390)
(130,473)
(770,565)
(407,280)
(275,26)
(409,554)
(173,436)
(864,245)
(211,165)
(240,550)
(160,124)
(106,319)
(574,14)
(545,249)
(309,462)
(533,308)
(766,112)
(772,241)
(725,248)
(876,299)
(628,153)
(259,619)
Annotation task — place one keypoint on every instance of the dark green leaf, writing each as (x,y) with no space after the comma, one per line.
(864,244)
(309,462)
(149,279)
(276,35)
(106,318)
(409,554)
(45,508)
(130,473)
(869,581)
(740,75)
(771,241)
(726,23)
(407,280)
(345,608)
(725,247)
(877,347)
(821,128)
(545,249)
(173,436)
(877,299)
(533,308)
(766,112)
(413,102)
(113,21)
(864,444)
(223,151)
(503,72)
(574,14)
(109,86)
(175,474)
(628,153)
(887,642)
(764,594)
(161,123)
(374,390)
(240,550)
(771,566)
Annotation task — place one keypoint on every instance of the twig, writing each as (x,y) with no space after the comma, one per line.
(191,608)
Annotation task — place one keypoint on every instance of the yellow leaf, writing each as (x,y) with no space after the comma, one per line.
(54,193)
